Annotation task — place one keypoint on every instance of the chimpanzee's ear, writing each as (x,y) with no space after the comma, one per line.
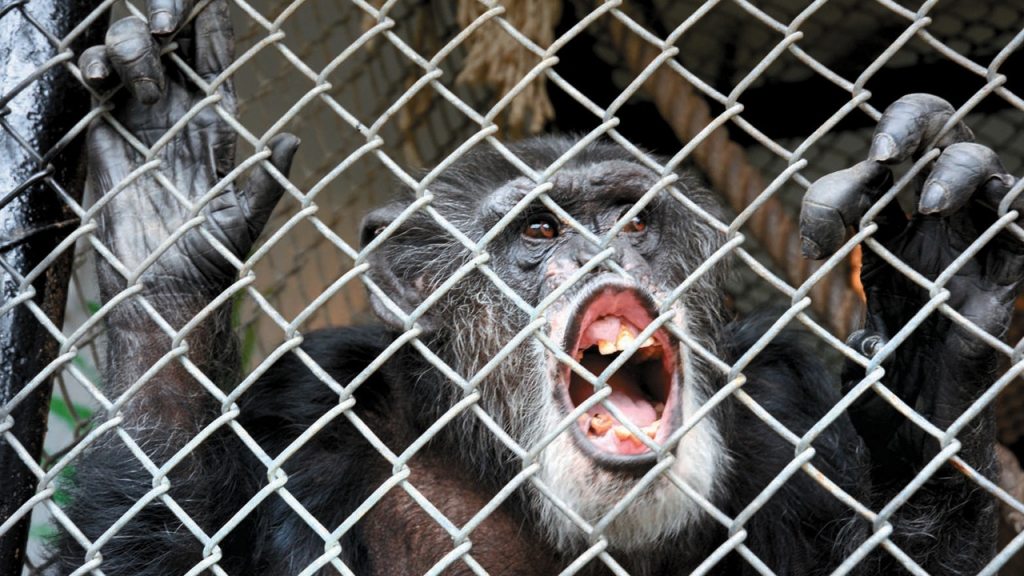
(403,285)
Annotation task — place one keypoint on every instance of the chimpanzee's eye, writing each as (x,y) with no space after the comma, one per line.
(637,224)
(542,226)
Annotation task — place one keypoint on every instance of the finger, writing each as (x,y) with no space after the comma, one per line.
(261,191)
(105,152)
(1004,263)
(96,69)
(867,342)
(963,171)
(165,16)
(214,40)
(838,200)
(135,56)
(909,125)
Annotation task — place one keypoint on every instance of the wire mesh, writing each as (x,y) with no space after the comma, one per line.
(760,99)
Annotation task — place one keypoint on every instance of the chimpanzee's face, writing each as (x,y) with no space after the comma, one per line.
(618,393)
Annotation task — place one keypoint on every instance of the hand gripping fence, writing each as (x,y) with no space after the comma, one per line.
(758,98)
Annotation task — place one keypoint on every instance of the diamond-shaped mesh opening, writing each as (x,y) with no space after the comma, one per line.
(473,433)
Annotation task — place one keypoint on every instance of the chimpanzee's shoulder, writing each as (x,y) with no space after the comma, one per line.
(790,380)
(344,347)
(787,372)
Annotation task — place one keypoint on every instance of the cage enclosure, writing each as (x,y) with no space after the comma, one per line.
(756,99)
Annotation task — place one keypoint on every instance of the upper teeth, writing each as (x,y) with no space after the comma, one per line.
(611,334)
(625,340)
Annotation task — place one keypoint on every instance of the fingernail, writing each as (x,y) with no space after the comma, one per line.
(96,71)
(883,148)
(1006,179)
(871,345)
(934,198)
(161,22)
(809,249)
(146,91)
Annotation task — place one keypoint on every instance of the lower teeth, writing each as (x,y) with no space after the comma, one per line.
(600,424)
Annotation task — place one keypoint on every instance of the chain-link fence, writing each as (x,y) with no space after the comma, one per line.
(757,99)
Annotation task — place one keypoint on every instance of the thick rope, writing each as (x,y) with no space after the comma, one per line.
(497,60)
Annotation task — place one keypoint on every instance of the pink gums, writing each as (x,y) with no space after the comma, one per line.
(608,313)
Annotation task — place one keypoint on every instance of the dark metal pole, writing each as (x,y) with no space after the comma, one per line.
(36,112)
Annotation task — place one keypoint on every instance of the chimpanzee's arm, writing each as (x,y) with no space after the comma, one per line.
(166,207)
(177,223)
(939,368)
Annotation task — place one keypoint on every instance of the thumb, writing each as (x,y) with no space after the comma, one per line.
(261,191)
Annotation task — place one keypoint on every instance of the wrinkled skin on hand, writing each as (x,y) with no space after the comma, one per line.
(157,96)
(941,368)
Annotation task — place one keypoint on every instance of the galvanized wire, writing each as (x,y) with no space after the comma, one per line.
(309,271)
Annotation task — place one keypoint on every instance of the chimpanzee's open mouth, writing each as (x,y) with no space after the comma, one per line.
(606,325)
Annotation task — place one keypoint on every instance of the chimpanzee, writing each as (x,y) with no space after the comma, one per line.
(546,388)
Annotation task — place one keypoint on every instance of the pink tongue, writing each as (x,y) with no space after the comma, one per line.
(606,328)
(626,394)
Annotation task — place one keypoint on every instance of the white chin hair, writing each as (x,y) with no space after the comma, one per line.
(659,511)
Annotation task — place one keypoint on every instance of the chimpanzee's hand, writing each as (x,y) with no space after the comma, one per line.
(941,368)
(194,157)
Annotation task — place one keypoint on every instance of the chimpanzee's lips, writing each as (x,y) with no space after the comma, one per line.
(606,325)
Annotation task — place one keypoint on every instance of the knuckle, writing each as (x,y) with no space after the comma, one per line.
(822,230)
(132,50)
(93,63)
(967,153)
(126,29)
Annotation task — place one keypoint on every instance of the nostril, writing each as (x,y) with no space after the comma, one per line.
(585,251)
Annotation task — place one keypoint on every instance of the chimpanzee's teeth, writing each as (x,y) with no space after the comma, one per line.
(600,424)
(623,433)
(652,429)
(611,334)
(624,341)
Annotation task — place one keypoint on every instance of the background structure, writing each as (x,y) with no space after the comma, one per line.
(759,98)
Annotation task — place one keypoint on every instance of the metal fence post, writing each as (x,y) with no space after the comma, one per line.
(39,105)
